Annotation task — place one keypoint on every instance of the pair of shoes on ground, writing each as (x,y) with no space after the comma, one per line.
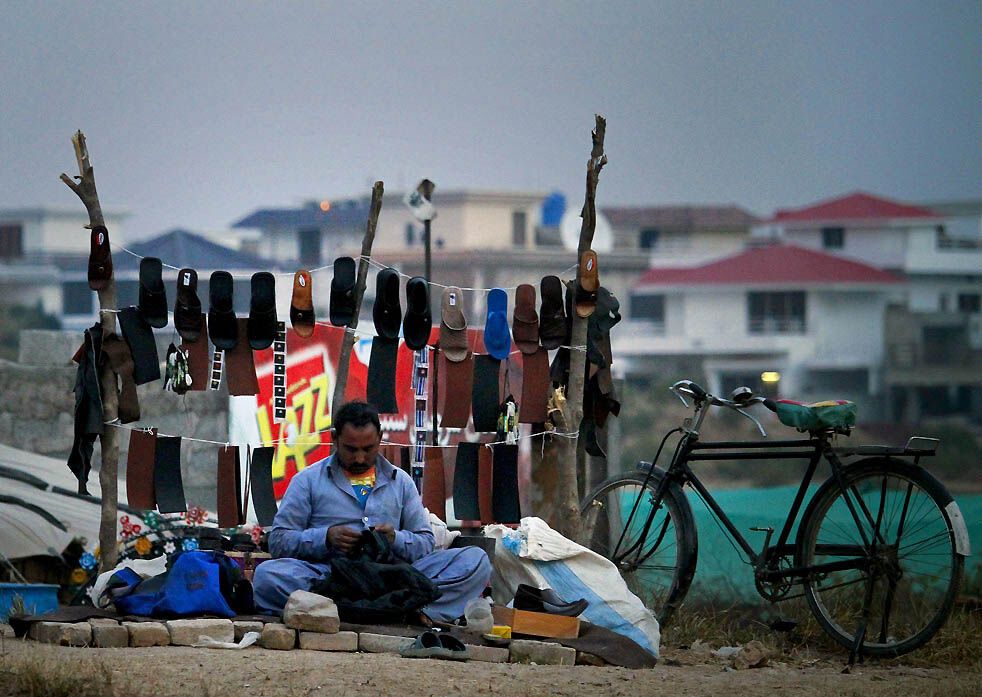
(436,645)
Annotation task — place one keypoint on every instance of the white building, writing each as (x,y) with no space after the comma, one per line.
(814,318)
(933,357)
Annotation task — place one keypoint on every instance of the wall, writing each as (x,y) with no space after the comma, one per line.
(36,412)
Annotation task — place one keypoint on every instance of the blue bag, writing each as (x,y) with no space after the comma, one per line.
(192,586)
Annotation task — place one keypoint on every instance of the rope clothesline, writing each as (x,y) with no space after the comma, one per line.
(370,261)
(227,444)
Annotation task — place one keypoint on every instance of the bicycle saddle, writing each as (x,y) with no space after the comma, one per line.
(837,414)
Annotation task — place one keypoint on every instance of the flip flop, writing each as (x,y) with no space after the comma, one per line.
(386,311)
(187,308)
(453,326)
(342,309)
(100,258)
(426,645)
(525,321)
(222,327)
(497,340)
(589,282)
(552,313)
(262,311)
(454,648)
(153,295)
(302,315)
(417,323)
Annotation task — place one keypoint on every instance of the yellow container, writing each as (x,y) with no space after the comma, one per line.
(501,630)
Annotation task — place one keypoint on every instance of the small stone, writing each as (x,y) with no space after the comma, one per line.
(278,637)
(487,654)
(310,612)
(541,653)
(62,633)
(189,632)
(110,636)
(753,655)
(144,634)
(584,658)
(382,643)
(318,641)
(242,627)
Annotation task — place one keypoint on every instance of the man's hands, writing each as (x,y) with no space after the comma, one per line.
(387,530)
(343,538)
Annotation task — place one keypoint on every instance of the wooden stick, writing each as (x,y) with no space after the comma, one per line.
(84,187)
(570,453)
(349,335)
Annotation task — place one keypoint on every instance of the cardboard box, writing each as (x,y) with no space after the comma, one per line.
(541,624)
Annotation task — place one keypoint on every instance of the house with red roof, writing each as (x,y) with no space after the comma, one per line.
(812,318)
(933,340)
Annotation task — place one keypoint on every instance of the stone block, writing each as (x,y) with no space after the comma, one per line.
(382,643)
(147,634)
(318,641)
(487,654)
(310,612)
(541,653)
(189,632)
(62,633)
(278,637)
(103,622)
(6,630)
(241,627)
(110,636)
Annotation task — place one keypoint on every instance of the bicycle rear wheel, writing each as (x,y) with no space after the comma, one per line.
(658,563)
(910,569)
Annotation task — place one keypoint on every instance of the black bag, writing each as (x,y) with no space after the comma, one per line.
(370,587)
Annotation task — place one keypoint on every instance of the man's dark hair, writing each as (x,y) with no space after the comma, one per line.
(356,414)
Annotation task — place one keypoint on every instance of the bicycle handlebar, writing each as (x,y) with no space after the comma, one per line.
(745,399)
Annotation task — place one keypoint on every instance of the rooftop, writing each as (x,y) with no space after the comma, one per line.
(856,206)
(768,265)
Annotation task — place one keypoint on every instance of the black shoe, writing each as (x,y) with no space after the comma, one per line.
(545,600)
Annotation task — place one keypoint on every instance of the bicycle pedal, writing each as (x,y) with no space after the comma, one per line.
(784,625)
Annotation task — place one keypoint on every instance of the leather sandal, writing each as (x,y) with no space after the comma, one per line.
(153,295)
(261,328)
(100,258)
(222,327)
(525,320)
(418,322)
(342,307)
(589,281)
(302,315)
(187,307)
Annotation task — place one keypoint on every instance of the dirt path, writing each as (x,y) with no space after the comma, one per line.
(179,671)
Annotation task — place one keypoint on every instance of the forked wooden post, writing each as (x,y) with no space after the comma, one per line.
(569,502)
(84,187)
(349,335)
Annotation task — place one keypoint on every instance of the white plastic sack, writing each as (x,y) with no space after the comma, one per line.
(443,537)
(145,568)
(537,555)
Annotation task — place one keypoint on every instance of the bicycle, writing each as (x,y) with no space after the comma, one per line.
(879,550)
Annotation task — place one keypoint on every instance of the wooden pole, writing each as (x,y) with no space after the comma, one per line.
(349,335)
(84,187)
(569,497)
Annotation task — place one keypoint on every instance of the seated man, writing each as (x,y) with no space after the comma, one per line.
(327,505)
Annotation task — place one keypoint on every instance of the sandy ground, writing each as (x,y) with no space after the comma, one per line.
(164,671)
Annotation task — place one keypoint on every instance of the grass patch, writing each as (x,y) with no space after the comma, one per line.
(40,677)
(956,645)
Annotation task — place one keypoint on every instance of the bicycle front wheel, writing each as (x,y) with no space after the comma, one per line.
(654,548)
(905,569)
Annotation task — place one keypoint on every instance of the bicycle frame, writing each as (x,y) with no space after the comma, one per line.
(691,449)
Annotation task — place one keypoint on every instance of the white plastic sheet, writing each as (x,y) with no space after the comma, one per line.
(537,555)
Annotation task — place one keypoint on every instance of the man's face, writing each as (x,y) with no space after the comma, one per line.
(358,447)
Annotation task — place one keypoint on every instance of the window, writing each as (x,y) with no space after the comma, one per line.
(310,246)
(410,235)
(776,313)
(970,303)
(518,224)
(648,308)
(76,298)
(11,241)
(833,237)
(649,238)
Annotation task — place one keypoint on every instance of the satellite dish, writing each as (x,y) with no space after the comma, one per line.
(569,232)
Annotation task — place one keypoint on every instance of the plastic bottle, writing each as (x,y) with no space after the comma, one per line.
(477,612)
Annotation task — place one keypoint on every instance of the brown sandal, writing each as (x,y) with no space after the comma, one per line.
(302,306)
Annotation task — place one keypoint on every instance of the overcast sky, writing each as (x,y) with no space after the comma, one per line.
(198,113)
